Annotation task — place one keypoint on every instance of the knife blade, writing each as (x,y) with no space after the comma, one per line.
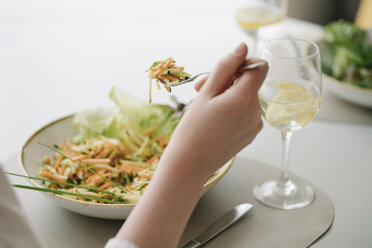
(220,225)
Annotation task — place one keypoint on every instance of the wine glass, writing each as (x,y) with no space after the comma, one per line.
(252,14)
(290,97)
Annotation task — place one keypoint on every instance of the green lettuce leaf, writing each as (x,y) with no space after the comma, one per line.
(97,121)
(140,116)
(343,59)
(342,33)
(136,115)
(350,52)
(168,126)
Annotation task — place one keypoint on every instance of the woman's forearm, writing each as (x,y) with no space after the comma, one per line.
(161,216)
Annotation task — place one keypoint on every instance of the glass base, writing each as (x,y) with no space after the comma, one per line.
(288,195)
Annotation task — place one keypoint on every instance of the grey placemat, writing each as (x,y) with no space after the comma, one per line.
(262,227)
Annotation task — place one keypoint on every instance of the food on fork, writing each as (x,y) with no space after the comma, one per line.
(167,73)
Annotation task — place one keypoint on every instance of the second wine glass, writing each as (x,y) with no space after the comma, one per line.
(253,14)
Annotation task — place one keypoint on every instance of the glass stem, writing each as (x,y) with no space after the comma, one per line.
(285,186)
(253,33)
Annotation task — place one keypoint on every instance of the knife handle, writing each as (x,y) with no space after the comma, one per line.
(192,244)
(220,225)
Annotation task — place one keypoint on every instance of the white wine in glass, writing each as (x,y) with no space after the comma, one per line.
(290,98)
(289,105)
(253,14)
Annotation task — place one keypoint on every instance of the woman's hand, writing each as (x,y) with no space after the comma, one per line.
(225,116)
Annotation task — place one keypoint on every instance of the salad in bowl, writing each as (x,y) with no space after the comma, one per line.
(99,161)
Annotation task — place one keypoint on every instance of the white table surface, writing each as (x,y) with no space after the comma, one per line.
(58,57)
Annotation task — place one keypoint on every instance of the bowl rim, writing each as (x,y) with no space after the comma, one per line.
(347,86)
(21,165)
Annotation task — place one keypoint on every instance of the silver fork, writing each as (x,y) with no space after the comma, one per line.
(185,81)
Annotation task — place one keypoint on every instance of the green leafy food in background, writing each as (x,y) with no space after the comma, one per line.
(343,33)
(344,59)
(347,54)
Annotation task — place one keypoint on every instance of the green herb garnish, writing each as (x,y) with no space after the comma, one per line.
(57,182)
(61,192)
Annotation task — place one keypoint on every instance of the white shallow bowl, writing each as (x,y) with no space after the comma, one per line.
(349,92)
(55,132)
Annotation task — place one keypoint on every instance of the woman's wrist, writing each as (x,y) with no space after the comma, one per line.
(189,163)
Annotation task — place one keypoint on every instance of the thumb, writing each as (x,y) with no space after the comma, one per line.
(223,73)
(250,81)
(200,84)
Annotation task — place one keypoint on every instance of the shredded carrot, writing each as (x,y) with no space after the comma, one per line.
(152,159)
(162,78)
(129,187)
(150,131)
(167,88)
(156,74)
(46,160)
(96,161)
(63,148)
(96,149)
(59,160)
(98,180)
(92,176)
(104,152)
(125,170)
(105,186)
(61,170)
(132,168)
(144,176)
(163,141)
(125,150)
(79,173)
(166,65)
(51,176)
(159,66)
(171,78)
(79,157)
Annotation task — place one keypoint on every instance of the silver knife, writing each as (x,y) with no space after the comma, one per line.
(220,225)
